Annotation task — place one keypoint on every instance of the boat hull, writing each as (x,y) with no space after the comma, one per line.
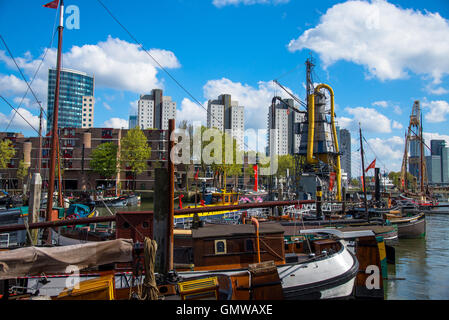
(331,277)
(410,228)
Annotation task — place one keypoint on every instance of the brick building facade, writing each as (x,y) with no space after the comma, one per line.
(76,145)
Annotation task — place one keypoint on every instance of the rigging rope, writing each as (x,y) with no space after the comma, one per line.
(24,79)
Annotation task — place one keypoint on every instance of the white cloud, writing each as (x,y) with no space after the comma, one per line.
(438,111)
(388,104)
(387,40)
(223,3)
(18,123)
(116,123)
(382,104)
(191,112)
(397,109)
(256,100)
(25,102)
(370,119)
(434,136)
(107,106)
(389,152)
(432,89)
(397,125)
(344,122)
(115,63)
(11,85)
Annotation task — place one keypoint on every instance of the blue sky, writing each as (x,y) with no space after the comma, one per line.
(378,56)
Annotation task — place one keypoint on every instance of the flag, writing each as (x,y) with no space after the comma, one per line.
(196,174)
(180,200)
(52,5)
(371,166)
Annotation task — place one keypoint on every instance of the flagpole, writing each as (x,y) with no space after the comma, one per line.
(51,179)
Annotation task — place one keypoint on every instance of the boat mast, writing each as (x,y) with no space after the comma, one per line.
(39,157)
(54,134)
(363,173)
(422,154)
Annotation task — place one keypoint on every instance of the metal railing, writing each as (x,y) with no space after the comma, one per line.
(177,212)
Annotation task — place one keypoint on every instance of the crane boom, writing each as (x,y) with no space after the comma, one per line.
(291,95)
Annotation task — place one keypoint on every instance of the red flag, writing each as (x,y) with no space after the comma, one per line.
(371,166)
(180,200)
(196,174)
(52,5)
(255,178)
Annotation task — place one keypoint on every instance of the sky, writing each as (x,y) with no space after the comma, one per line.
(378,56)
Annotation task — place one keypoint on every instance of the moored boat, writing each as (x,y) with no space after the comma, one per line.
(321,268)
(410,226)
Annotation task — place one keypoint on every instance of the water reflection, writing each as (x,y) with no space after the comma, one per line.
(423,263)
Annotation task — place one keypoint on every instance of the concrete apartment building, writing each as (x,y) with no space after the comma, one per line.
(226,114)
(76,146)
(88,112)
(287,124)
(154,110)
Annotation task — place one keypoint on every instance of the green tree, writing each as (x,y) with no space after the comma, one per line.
(223,168)
(104,160)
(395,177)
(22,171)
(135,152)
(355,182)
(285,162)
(190,131)
(6,153)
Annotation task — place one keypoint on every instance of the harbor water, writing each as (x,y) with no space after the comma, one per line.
(421,269)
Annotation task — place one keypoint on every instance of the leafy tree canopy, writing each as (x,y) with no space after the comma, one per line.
(6,153)
(104,160)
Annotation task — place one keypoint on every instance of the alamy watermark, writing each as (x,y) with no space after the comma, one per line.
(373,280)
(72,21)
(210,146)
(73,280)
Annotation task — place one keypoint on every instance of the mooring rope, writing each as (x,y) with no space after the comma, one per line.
(150,290)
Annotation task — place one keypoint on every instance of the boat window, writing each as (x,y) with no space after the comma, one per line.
(220,246)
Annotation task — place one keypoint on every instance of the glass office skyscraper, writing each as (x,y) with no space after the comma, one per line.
(74,85)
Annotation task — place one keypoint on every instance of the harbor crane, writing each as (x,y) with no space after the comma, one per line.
(318,136)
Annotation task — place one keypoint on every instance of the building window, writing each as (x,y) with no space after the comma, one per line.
(107,134)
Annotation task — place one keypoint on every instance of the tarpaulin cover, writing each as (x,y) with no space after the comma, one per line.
(31,261)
